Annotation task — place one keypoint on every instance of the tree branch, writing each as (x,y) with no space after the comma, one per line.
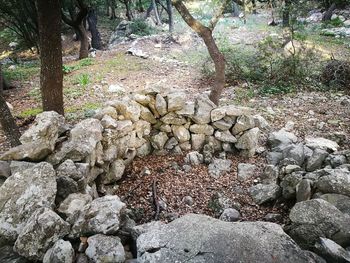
(215,19)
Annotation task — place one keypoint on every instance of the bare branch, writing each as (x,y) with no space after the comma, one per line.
(215,19)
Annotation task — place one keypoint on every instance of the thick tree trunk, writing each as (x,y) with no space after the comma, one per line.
(84,42)
(286,11)
(7,121)
(95,34)
(51,76)
(206,33)
(327,16)
(129,14)
(171,15)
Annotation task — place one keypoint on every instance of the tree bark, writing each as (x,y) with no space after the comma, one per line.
(113,16)
(254,7)
(95,34)
(170,15)
(156,14)
(7,121)
(51,76)
(84,42)
(286,12)
(327,16)
(206,33)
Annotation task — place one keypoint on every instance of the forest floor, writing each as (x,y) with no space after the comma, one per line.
(178,63)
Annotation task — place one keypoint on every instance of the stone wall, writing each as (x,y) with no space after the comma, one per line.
(154,121)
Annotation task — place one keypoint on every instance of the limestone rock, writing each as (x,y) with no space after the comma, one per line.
(317,218)
(321,143)
(270,175)
(225,136)
(5,170)
(249,140)
(197,142)
(342,202)
(187,109)
(42,230)
(115,172)
(203,107)
(22,194)
(280,138)
(202,129)
(18,166)
(147,115)
(176,101)
(73,205)
(289,184)
(243,123)
(230,215)
(245,171)
(194,158)
(130,109)
(181,133)
(262,193)
(7,255)
(190,236)
(161,105)
(105,249)
(316,160)
(108,122)
(158,141)
(331,251)
(303,190)
(62,251)
(102,216)
(336,182)
(219,167)
(173,118)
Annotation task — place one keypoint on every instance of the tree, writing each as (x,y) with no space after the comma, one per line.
(51,76)
(76,21)
(206,33)
(95,34)
(7,121)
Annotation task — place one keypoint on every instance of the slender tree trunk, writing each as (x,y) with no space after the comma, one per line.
(206,33)
(51,76)
(286,12)
(113,6)
(107,3)
(149,10)
(7,121)
(129,14)
(254,7)
(95,34)
(156,14)
(84,42)
(171,15)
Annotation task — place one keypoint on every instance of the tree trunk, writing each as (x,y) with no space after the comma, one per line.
(235,9)
(140,6)
(286,11)
(129,14)
(113,16)
(51,76)
(206,33)
(327,16)
(149,10)
(171,15)
(254,7)
(156,14)
(84,42)
(95,34)
(7,121)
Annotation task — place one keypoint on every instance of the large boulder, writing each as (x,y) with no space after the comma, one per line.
(39,140)
(199,238)
(22,194)
(105,249)
(43,229)
(82,143)
(203,107)
(336,182)
(342,202)
(249,141)
(321,143)
(62,251)
(281,138)
(101,216)
(318,218)
(7,255)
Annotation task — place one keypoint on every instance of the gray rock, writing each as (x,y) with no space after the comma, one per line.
(249,141)
(272,217)
(303,190)
(194,158)
(171,143)
(62,251)
(108,122)
(7,255)
(181,134)
(147,115)
(203,108)
(138,230)
(202,129)
(188,200)
(105,249)
(22,194)
(69,169)
(127,107)
(191,237)
(337,182)
(17,166)
(281,137)
(317,218)
(42,230)
(262,193)
(243,123)
(65,187)
(82,143)
(197,141)
(296,152)
(173,119)
(270,174)
(337,160)
(274,158)
(187,110)
(316,160)
(73,205)
(176,101)
(230,215)
(225,136)
(245,171)
(331,251)
(115,172)
(5,170)
(229,110)
(102,215)
(342,202)
(261,122)
(158,141)
(289,184)
(321,143)
(161,105)
(218,167)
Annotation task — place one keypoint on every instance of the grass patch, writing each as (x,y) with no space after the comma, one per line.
(30,112)
(22,72)
(78,65)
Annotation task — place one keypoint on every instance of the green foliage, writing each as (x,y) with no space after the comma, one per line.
(140,27)
(83,79)
(30,112)
(81,63)
(22,72)
(337,22)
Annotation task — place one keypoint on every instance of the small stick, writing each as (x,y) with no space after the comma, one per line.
(155,200)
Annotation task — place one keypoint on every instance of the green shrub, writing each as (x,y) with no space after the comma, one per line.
(141,28)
